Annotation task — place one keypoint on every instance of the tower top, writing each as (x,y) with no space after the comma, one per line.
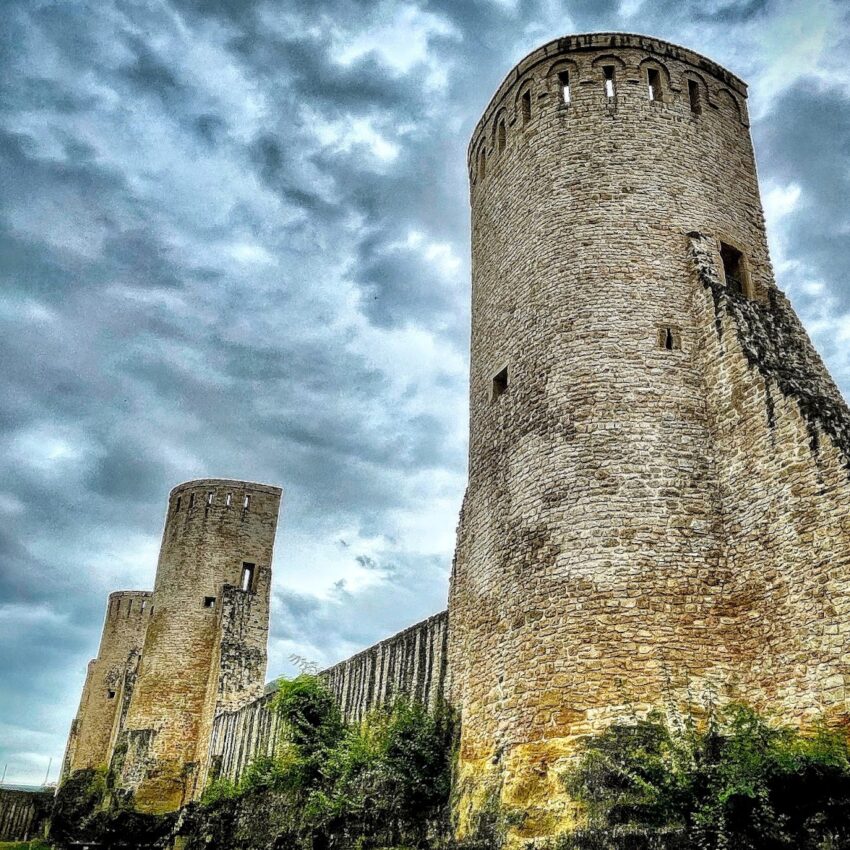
(597,42)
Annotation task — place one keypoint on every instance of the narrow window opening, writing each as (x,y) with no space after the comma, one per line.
(564,82)
(500,383)
(210,496)
(501,136)
(228,499)
(669,339)
(177,504)
(482,164)
(209,602)
(693,96)
(653,78)
(144,604)
(525,105)
(129,606)
(733,268)
(247,583)
(608,72)
(110,694)
(246,502)
(191,501)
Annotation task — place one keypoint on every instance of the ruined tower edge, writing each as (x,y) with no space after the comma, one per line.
(205,645)
(658,504)
(109,682)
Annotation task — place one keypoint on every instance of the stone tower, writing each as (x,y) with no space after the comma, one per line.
(109,682)
(658,500)
(205,646)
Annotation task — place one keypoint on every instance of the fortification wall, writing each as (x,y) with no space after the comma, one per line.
(781,437)
(615,525)
(24,814)
(109,681)
(411,663)
(205,646)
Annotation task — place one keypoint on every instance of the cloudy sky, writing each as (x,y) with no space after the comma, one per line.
(233,242)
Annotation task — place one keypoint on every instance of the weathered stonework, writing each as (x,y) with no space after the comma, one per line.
(658,488)
(205,646)
(658,509)
(411,664)
(109,682)
(23,813)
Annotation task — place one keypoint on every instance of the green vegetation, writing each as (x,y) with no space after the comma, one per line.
(735,783)
(382,783)
(35,844)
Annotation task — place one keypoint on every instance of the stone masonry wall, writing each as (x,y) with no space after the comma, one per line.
(781,437)
(636,440)
(205,646)
(109,681)
(411,663)
(24,814)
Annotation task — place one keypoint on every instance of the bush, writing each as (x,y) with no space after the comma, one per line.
(382,783)
(739,783)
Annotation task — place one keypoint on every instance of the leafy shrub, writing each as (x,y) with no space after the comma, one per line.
(382,783)
(739,783)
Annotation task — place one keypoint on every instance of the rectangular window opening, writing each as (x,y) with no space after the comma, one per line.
(733,269)
(500,383)
(608,72)
(228,499)
(247,583)
(653,78)
(110,694)
(693,96)
(564,81)
(191,501)
(144,604)
(525,103)
(177,504)
(209,602)
(210,497)
(246,502)
(482,164)
(501,136)
(669,339)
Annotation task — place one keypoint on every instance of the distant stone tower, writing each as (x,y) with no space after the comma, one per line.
(109,682)
(205,647)
(658,497)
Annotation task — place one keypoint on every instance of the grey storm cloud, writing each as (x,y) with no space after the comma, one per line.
(234,242)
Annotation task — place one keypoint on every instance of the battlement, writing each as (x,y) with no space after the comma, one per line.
(603,73)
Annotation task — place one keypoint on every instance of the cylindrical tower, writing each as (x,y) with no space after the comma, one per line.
(589,550)
(109,681)
(205,648)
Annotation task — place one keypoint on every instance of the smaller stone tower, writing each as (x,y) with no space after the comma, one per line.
(205,647)
(109,682)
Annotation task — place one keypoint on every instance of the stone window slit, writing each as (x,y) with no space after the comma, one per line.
(247,582)
(210,497)
(177,504)
(501,135)
(209,602)
(525,106)
(564,83)
(110,694)
(227,500)
(653,79)
(246,502)
(694,97)
(608,76)
(500,383)
(734,269)
(191,501)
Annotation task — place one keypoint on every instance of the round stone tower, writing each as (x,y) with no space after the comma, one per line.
(590,548)
(205,647)
(109,681)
